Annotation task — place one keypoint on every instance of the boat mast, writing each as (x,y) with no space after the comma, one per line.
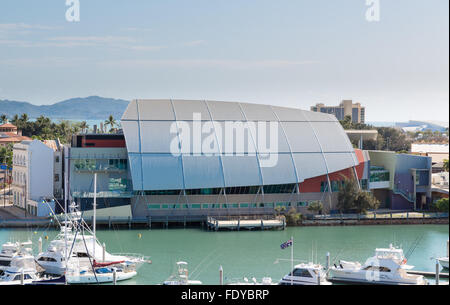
(66,186)
(94,220)
(292,260)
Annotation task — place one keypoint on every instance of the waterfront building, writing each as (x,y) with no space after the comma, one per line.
(345,108)
(437,151)
(36,175)
(440,185)
(10,135)
(400,181)
(106,155)
(313,155)
(152,169)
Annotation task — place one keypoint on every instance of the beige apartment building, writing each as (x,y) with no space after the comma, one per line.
(345,108)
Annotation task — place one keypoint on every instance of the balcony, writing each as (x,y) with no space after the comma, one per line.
(96,165)
(379,178)
(104,194)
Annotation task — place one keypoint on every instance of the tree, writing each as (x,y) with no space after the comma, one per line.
(348,192)
(111,122)
(6,154)
(3,118)
(351,197)
(293,217)
(24,118)
(84,127)
(446,165)
(365,201)
(441,205)
(279,210)
(316,207)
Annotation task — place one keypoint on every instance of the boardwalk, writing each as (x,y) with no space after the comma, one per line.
(249,224)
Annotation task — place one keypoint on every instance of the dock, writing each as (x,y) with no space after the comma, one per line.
(427,273)
(217,224)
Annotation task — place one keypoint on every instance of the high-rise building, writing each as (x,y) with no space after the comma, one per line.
(345,108)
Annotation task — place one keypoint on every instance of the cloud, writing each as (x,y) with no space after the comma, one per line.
(206,63)
(59,62)
(136,29)
(24,26)
(144,48)
(194,43)
(93,39)
(122,42)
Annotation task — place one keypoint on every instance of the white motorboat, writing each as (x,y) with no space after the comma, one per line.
(105,273)
(77,253)
(83,247)
(182,276)
(306,274)
(10,250)
(245,281)
(386,267)
(22,270)
(444,262)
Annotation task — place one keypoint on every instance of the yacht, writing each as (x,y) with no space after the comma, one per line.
(444,262)
(182,276)
(24,270)
(83,247)
(245,281)
(10,250)
(386,267)
(101,273)
(306,274)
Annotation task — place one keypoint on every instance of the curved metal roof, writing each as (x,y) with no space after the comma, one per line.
(162,152)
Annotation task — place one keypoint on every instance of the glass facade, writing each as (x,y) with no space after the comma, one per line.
(100,164)
(271,205)
(378,176)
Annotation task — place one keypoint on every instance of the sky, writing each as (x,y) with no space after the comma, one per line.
(292,53)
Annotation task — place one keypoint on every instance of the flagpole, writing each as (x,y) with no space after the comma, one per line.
(292,261)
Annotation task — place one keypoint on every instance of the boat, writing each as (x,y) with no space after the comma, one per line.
(245,281)
(444,262)
(77,253)
(10,250)
(23,270)
(83,247)
(387,267)
(306,274)
(98,274)
(182,276)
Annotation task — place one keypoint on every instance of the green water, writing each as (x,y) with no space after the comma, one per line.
(255,253)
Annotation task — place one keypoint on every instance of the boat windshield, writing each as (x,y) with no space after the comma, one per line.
(396,254)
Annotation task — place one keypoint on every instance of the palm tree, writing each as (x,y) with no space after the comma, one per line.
(15,119)
(24,118)
(3,118)
(84,126)
(111,122)
(446,165)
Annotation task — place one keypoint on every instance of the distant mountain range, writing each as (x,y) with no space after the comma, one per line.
(88,108)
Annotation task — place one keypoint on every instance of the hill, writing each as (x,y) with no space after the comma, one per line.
(88,108)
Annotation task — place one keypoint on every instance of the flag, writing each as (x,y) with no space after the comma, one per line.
(286,244)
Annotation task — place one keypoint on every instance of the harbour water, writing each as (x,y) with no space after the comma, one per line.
(256,253)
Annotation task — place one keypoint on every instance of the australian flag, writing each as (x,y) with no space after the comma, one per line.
(286,244)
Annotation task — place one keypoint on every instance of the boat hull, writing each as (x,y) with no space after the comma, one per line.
(90,278)
(353,277)
(444,262)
